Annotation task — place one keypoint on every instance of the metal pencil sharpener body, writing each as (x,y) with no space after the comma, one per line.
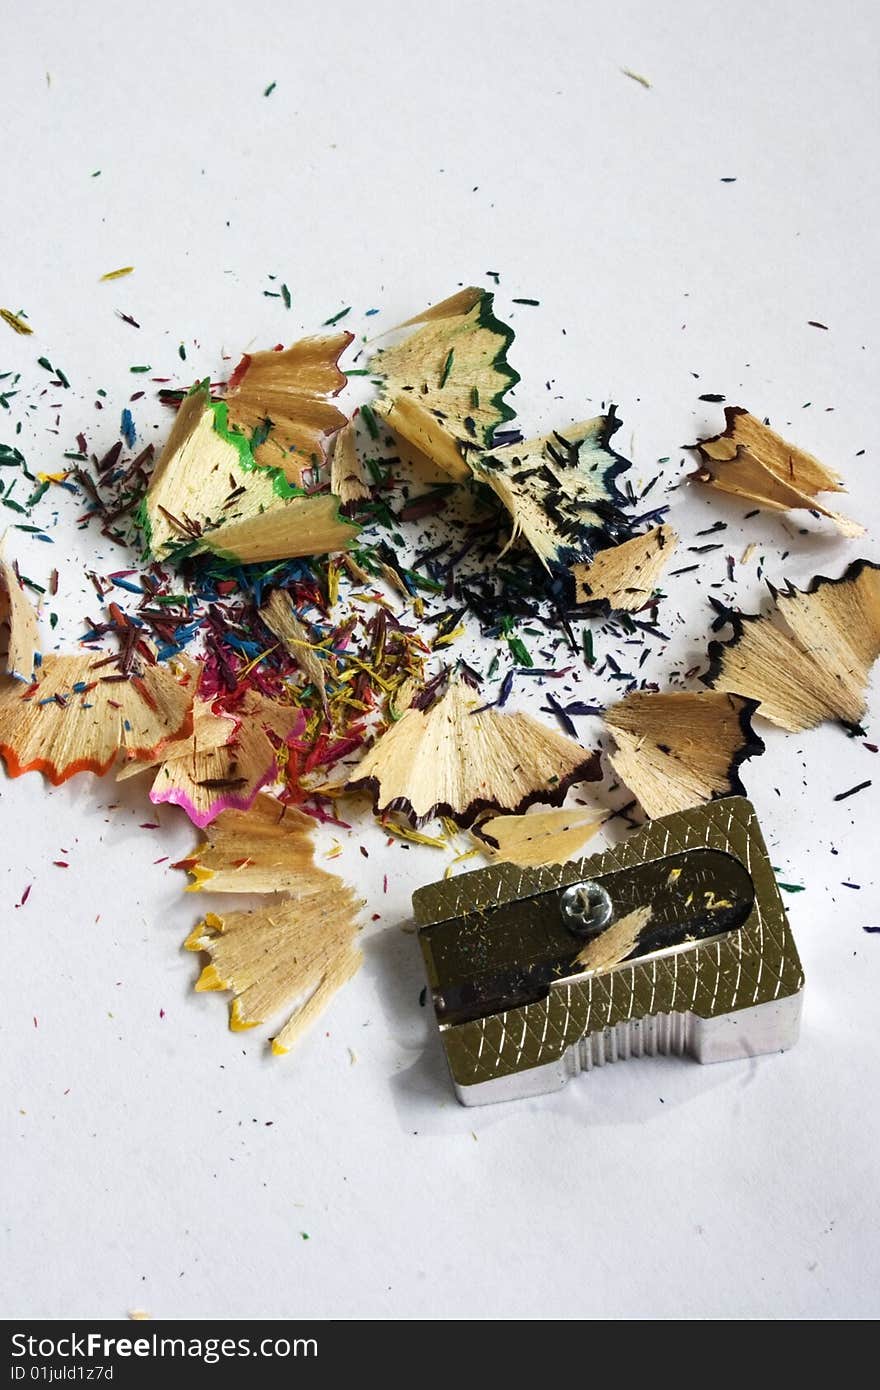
(715,973)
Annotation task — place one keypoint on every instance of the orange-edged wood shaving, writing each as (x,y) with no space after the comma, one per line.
(79,715)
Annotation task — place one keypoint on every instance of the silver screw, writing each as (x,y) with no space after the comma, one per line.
(586,908)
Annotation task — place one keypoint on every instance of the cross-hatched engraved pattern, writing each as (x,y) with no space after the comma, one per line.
(756,964)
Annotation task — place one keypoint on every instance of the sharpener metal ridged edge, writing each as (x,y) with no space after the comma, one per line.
(730,996)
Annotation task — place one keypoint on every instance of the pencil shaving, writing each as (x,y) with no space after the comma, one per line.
(560,489)
(449,760)
(16,611)
(278,615)
(292,955)
(281,400)
(615,943)
(206,776)
(810,659)
(444,385)
(266,849)
(542,837)
(81,713)
(752,461)
(207,493)
(347,481)
(623,578)
(682,749)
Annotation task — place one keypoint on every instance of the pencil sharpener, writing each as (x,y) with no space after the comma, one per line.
(714,973)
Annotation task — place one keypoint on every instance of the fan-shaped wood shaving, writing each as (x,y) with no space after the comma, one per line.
(752,461)
(681,749)
(265,849)
(543,837)
(560,489)
(292,954)
(79,715)
(816,666)
(615,943)
(624,577)
(287,393)
(207,493)
(449,761)
(22,652)
(444,385)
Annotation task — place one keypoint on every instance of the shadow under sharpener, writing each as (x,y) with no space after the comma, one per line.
(716,974)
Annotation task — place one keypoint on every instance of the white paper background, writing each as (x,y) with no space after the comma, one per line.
(163,1163)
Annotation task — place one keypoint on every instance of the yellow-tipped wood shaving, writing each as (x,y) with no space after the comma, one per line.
(542,837)
(815,667)
(266,849)
(752,461)
(293,954)
(615,943)
(625,576)
(681,749)
(450,761)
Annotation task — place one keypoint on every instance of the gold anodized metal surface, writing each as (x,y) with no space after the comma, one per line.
(754,965)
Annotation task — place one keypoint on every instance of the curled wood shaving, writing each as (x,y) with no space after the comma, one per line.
(284,396)
(752,461)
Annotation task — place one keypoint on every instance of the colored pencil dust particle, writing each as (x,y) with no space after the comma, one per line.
(118,274)
(270,89)
(16,322)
